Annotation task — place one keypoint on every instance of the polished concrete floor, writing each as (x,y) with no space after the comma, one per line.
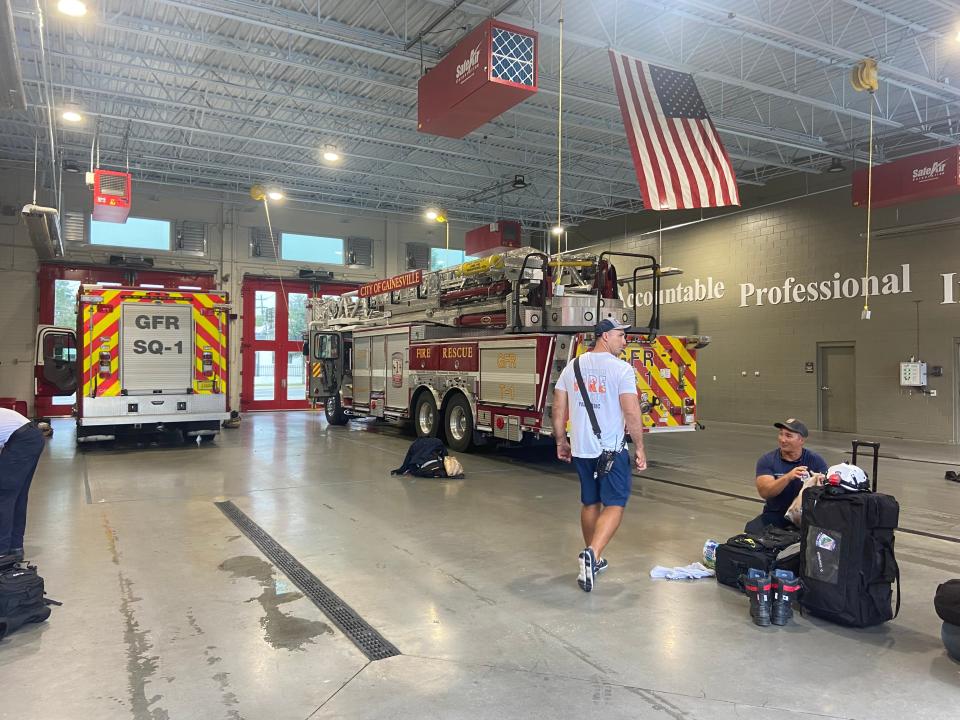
(169,612)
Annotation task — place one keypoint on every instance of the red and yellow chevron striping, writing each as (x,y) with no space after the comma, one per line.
(101,336)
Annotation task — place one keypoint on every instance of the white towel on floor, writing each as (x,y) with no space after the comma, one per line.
(693,571)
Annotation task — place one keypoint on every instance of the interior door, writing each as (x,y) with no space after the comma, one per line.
(273,370)
(838,397)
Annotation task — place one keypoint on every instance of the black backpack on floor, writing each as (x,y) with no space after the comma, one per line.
(424,458)
(21,598)
(766,552)
(848,564)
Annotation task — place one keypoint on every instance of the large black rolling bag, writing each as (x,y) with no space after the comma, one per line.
(847,560)
(21,598)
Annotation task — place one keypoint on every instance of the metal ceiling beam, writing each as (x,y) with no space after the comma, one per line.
(304,62)
(269,112)
(342,170)
(599,44)
(193,73)
(738,18)
(362,39)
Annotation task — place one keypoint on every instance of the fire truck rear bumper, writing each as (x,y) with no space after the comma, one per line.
(154,419)
(166,409)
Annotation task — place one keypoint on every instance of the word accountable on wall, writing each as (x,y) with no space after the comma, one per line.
(797,290)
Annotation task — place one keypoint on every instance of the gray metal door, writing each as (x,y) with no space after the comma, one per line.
(838,395)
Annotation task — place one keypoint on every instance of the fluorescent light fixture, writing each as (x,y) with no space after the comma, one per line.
(73,8)
(71,115)
(330,153)
(275,195)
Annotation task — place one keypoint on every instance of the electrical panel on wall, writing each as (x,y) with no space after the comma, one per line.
(913,374)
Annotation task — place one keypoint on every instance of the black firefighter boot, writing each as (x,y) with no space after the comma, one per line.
(757,586)
(785,589)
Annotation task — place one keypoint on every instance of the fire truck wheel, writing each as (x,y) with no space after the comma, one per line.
(334,411)
(425,415)
(458,424)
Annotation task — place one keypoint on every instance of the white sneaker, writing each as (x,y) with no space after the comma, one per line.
(588,564)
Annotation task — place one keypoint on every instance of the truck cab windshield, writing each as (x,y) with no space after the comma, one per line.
(326,347)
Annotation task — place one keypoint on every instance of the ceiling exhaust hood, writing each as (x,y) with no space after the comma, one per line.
(43,226)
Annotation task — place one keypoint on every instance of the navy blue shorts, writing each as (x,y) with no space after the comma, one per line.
(613,488)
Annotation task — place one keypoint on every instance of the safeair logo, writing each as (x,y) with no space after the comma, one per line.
(931,172)
(466,68)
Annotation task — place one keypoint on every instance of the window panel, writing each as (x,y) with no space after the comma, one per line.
(441,258)
(139,233)
(264,373)
(65,302)
(311,249)
(265,308)
(296,376)
(296,316)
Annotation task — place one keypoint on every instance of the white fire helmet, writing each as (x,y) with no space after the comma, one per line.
(849,477)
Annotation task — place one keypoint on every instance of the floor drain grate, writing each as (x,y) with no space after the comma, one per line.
(368,641)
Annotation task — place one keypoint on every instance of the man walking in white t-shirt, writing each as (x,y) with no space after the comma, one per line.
(611,385)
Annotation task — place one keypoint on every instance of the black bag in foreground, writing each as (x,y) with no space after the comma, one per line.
(947,601)
(768,552)
(21,598)
(846,551)
(424,458)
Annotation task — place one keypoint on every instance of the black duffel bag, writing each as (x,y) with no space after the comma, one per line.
(767,552)
(947,602)
(21,598)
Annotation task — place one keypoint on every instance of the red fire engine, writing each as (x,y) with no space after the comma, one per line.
(471,353)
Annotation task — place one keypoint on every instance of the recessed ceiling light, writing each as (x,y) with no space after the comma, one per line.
(73,8)
(72,116)
(275,195)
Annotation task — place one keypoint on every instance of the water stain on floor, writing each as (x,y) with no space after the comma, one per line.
(280,630)
(141,666)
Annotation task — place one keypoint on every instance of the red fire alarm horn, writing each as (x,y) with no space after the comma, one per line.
(111,196)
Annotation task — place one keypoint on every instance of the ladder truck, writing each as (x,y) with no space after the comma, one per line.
(470,353)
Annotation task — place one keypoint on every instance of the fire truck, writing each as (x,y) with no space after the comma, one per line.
(471,353)
(140,361)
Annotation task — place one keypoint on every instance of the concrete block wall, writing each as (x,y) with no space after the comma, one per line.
(809,239)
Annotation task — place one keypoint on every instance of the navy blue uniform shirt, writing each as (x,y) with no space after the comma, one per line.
(773,464)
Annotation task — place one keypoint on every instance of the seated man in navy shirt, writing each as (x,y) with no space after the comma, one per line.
(780,474)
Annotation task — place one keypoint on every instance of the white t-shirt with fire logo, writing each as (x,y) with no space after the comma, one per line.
(607,378)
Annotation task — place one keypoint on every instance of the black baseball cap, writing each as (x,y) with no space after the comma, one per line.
(794,426)
(606,325)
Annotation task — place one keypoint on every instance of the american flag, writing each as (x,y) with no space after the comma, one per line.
(679,158)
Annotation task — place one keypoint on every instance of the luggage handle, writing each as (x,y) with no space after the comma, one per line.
(875,446)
